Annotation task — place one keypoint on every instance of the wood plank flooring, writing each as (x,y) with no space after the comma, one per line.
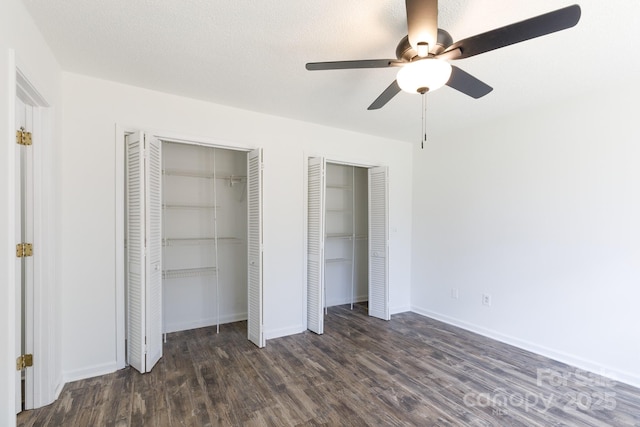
(410,371)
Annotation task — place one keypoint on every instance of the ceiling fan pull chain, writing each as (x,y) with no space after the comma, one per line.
(424,119)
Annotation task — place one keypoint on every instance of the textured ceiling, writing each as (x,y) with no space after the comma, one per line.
(251,55)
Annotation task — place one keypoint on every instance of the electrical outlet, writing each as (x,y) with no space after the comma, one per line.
(454,293)
(486,300)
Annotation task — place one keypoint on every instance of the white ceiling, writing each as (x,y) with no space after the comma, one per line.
(251,54)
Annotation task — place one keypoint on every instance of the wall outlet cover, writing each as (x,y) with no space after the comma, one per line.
(486,300)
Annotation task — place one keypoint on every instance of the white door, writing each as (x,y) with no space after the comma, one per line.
(153,195)
(144,264)
(255,330)
(24,266)
(315,244)
(379,243)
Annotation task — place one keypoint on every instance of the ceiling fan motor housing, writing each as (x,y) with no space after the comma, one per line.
(405,52)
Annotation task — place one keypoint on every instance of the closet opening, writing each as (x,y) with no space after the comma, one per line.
(347,240)
(346,236)
(204,236)
(192,231)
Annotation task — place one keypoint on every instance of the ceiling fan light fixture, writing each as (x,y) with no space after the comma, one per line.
(424,75)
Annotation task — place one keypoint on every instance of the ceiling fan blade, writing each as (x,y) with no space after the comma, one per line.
(464,82)
(541,25)
(385,96)
(345,65)
(422,23)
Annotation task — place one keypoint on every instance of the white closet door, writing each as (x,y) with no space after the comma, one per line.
(379,243)
(154,252)
(136,271)
(255,331)
(144,268)
(315,244)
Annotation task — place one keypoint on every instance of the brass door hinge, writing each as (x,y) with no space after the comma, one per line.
(23,137)
(24,361)
(24,250)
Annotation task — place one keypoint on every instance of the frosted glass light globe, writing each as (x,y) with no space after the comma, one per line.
(429,73)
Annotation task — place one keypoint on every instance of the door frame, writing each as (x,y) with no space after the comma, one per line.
(42,303)
(337,161)
(24,223)
(120,133)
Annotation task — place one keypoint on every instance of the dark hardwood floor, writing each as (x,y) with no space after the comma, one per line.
(410,371)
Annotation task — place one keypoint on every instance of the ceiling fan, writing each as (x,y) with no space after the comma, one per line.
(423,55)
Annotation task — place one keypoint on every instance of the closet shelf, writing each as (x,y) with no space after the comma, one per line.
(187,206)
(187,173)
(339,187)
(339,236)
(188,272)
(343,211)
(336,260)
(193,241)
(205,175)
(230,240)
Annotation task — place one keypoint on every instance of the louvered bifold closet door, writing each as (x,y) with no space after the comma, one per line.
(136,271)
(379,243)
(154,252)
(315,244)
(144,249)
(255,331)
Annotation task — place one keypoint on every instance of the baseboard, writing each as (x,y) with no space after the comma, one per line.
(575,361)
(364,298)
(344,301)
(90,372)
(236,317)
(401,309)
(283,332)
(204,323)
(60,385)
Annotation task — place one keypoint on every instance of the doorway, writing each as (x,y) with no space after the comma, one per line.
(204,202)
(346,235)
(24,254)
(171,244)
(347,239)
(33,277)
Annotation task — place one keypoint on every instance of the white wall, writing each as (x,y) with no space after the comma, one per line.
(93,107)
(19,37)
(541,210)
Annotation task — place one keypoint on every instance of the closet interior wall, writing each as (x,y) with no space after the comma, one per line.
(204,236)
(346,229)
